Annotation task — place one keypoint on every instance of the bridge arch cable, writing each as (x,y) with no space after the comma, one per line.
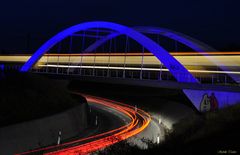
(58,51)
(82,49)
(109,58)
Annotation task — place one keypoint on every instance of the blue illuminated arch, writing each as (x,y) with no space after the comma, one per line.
(178,71)
(194,44)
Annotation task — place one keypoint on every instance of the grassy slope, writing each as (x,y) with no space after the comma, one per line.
(206,133)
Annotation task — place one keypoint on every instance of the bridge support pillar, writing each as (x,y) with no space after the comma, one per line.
(210,100)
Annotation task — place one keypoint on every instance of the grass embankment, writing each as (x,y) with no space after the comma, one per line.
(24,97)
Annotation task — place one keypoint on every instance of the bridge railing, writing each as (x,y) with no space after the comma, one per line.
(219,79)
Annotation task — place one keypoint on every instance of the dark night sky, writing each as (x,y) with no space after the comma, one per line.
(215,22)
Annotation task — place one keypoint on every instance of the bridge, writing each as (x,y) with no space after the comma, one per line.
(108,51)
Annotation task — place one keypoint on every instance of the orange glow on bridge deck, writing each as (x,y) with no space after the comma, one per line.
(186,58)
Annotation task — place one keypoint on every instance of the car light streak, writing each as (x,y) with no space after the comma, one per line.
(139,121)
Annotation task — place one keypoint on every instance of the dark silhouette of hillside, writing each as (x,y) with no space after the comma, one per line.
(27,96)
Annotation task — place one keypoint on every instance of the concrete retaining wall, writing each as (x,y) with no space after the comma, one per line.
(37,133)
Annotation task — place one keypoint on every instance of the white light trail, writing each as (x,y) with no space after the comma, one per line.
(136,68)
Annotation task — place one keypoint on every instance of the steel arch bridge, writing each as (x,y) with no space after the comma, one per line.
(180,73)
(177,70)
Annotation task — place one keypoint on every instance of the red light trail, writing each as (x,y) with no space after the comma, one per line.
(139,121)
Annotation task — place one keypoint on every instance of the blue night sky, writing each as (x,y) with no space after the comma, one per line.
(215,22)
